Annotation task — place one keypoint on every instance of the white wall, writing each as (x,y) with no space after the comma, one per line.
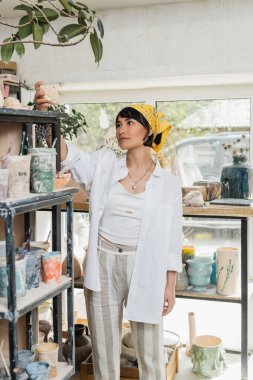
(206,37)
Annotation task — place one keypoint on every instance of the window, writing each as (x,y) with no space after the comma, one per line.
(100,118)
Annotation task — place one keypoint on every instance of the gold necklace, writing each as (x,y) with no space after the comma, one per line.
(135,182)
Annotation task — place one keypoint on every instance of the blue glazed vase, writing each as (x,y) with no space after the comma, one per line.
(214,270)
(237,179)
(199,272)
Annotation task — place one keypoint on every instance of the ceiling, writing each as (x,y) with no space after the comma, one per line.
(6,6)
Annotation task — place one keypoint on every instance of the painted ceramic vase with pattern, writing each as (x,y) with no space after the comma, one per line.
(199,272)
(51,267)
(208,356)
(228,271)
(20,275)
(33,265)
(43,169)
(237,179)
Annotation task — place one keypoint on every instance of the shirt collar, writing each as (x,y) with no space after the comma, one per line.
(157,171)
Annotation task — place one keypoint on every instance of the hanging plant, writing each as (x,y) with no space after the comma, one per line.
(40,17)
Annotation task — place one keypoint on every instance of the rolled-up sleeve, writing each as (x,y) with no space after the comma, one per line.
(175,252)
(81,164)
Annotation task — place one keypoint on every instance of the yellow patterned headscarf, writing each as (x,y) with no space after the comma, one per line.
(157,122)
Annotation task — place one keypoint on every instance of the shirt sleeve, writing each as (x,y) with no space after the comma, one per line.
(81,164)
(175,254)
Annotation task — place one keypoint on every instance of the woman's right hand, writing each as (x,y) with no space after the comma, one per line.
(42,101)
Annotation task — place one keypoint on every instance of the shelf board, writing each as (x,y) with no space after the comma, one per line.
(34,297)
(36,201)
(64,371)
(16,115)
(219,211)
(209,295)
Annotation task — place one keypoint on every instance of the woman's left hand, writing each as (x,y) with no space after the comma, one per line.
(169,294)
(169,301)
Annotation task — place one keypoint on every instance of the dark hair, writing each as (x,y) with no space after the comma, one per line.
(132,113)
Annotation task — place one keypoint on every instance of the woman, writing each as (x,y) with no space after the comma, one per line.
(134,241)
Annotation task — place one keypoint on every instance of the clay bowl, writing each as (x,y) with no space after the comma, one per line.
(213,189)
(44,245)
(61,180)
(187,189)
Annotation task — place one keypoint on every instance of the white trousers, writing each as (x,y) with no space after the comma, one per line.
(105,315)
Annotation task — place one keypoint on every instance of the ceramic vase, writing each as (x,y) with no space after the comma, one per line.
(19,176)
(213,280)
(38,371)
(208,356)
(228,273)
(51,267)
(20,274)
(237,179)
(25,357)
(82,345)
(182,279)
(188,252)
(199,271)
(43,169)
(47,352)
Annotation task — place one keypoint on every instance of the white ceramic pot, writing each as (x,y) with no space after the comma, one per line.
(228,271)
(182,279)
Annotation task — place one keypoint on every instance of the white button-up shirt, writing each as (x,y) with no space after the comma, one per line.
(159,242)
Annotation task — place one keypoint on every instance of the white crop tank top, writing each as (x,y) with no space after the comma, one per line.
(121,219)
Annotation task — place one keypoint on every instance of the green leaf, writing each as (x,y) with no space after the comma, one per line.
(7,51)
(24,20)
(75,5)
(51,14)
(100,27)
(96,45)
(71,30)
(37,34)
(66,5)
(26,8)
(82,18)
(82,5)
(19,48)
(25,31)
(45,27)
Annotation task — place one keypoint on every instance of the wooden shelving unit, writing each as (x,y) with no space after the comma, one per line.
(11,308)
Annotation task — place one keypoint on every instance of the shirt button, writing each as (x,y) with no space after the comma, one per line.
(120,249)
